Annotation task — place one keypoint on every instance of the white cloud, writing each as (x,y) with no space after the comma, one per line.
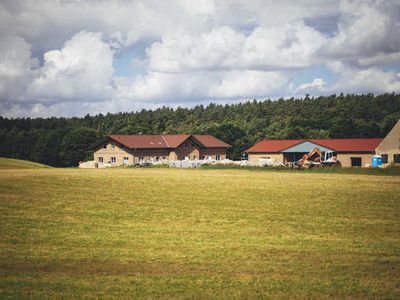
(249,84)
(200,85)
(279,47)
(367,31)
(272,48)
(57,57)
(216,49)
(317,85)
(355,80)
(82,69)
(16,67)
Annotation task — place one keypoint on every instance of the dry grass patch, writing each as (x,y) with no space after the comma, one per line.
(162,233)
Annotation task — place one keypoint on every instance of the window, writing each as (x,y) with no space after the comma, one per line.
(113,160)
(105,146)
(186,145)
(163,158)
(396,158)
(100,159)
(356,161)
(157,158)
(385,158)
(217,157)
(194,157)
(113,146)
(126,160)
(141,158)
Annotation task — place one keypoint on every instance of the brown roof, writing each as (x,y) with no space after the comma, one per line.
(211,141)
(165,141)
(344,145)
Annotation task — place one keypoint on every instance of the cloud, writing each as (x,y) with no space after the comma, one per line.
(272,48)
(73,57)
(367,32)
(156,87)
(355,80)
(317,85)
(279,47)
(216,49)
(17,67)
(249,84)
(82,69)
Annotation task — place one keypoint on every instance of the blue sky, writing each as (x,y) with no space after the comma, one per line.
(71,58)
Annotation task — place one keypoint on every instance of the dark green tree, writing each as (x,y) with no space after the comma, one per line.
(74,146)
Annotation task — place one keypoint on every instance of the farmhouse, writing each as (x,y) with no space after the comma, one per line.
(350,152)
(133,149)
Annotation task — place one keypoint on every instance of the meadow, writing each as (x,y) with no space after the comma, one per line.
(198,234)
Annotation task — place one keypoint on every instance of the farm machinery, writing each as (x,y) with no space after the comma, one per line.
(316,159)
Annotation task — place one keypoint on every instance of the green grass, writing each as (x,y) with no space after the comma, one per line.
(11,163)
(388,171)
(198,234)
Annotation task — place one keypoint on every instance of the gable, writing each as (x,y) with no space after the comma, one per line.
(392,141)
(306,147)
(210,141)
(190,142)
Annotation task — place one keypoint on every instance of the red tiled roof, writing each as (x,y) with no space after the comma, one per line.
(368,144)
(211,141)
(273,145)
(345,145)
(140,141)
(166,141)
(174,141)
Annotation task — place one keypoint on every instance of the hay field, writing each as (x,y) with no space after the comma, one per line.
(11,163)
(198,234)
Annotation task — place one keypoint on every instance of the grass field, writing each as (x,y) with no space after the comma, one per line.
(11,163)
(171,233)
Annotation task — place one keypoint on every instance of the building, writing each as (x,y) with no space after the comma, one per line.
(389,148)
(133,149)
(350,152)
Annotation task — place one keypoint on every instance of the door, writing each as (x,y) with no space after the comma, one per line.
(356,162)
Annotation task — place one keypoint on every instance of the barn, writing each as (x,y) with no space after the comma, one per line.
(356,152)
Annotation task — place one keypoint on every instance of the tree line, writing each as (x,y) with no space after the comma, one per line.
(65,141)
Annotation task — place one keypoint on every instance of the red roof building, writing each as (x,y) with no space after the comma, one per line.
(132,149)
(350,152)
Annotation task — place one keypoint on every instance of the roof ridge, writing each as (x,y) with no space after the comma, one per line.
(165,141)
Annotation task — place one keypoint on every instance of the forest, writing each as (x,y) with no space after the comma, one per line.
(62,142)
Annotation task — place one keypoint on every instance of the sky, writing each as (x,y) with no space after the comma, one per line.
(72,58)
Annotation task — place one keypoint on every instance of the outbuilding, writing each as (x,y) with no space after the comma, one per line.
(350,152)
